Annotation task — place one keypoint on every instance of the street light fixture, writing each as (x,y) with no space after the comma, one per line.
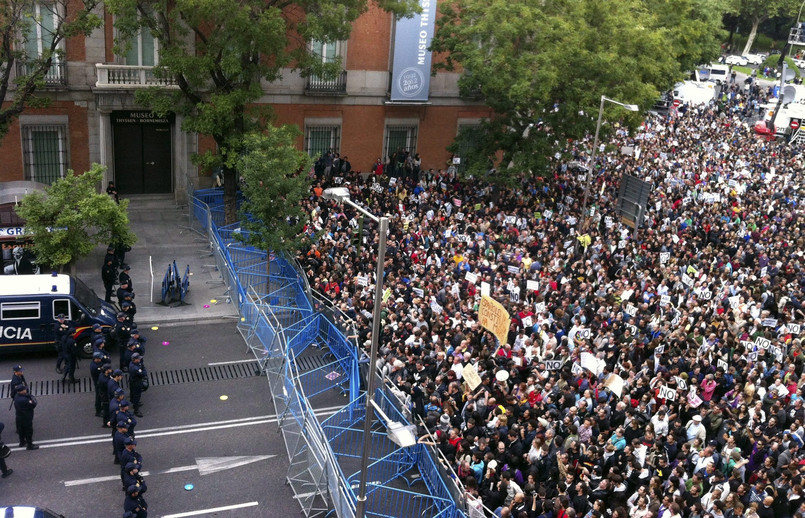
(591,166)
(341,195)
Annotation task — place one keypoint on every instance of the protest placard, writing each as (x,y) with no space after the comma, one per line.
(494,318)
(615,384)
(667,393)
(553,365)
(470,376)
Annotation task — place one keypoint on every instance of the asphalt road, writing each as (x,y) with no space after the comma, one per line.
(218,434)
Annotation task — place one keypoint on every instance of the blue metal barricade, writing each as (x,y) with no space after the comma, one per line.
(279,322)
(167,286)
(185,285)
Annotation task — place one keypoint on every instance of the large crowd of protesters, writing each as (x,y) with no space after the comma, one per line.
(648,374)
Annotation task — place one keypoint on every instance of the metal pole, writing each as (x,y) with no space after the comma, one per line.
(360,506)
(592,161)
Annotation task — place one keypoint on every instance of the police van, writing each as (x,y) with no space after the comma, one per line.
(29,305)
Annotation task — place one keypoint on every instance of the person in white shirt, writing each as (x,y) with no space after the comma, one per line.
(660,423)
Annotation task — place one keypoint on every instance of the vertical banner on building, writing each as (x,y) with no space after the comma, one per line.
(412,37)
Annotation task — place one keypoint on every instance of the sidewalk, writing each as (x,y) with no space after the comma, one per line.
(163,236)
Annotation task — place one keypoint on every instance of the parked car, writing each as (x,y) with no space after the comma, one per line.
(800,63)
(736,60)
(754,59)
(24,511)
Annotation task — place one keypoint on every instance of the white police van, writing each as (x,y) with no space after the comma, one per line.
(29,305)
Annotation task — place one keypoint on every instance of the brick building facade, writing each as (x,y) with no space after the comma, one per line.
(93,116)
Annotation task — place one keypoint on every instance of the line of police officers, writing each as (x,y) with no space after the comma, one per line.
(117,413)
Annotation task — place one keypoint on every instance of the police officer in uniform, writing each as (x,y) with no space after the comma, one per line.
(119,439)
(24,405)
(121,334)
(135,503)
(3,467)
(99,346)
(128,456)
(17,379)
(102,388)
(131,348)
(60,331)
(95,369)
(124,277)
(138,376)
(108,276)
(135,335)
(132,477)
(70,352)
(110,254)
(121,293)
(129,308)
(114,403)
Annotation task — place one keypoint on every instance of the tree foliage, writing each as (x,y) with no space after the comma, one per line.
(220,52)
(755,12)
(70,218)
(543,66)
(23,69)
(274,185)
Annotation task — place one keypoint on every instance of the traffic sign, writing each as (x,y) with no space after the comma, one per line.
(794,124)
(677,102)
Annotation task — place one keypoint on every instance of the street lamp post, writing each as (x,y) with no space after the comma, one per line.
(591,166)
(341,194)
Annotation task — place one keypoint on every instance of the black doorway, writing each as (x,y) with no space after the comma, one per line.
(142,147)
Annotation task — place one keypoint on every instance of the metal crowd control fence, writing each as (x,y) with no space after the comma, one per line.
(278,322)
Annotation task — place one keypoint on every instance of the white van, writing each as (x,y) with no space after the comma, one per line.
(714,72)
(694,93)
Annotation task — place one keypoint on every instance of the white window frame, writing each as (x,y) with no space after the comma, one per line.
(340,50)
(58,15)
(138,44)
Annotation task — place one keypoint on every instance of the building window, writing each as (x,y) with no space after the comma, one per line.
(400,138)
(44,150)
(143,49)
(319,139)
(469,137)
(326,51)
(39,34)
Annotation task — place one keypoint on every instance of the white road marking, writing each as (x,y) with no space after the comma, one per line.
(173,430)
(211,510)
(5,381)
(231,362)
(205,466)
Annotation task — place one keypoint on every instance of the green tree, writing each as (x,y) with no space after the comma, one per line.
(220,52)
(274,185)
(32,35)
(756,12)
(543,66)
(70,218)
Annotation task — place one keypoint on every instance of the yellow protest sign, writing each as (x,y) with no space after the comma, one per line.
(494,318)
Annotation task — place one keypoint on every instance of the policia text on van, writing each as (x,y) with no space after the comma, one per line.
(29,305)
